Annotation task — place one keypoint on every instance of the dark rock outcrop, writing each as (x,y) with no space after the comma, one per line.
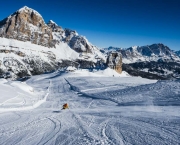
(114,61)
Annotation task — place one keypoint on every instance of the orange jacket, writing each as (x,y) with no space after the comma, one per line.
(65,106)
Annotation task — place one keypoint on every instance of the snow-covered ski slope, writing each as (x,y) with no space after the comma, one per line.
(62,51)
(16,96)
(103,111)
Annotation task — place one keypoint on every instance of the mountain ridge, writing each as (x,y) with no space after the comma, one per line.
(29,46)
(155,61)
(153,52)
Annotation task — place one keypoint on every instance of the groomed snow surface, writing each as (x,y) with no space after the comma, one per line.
(103,110)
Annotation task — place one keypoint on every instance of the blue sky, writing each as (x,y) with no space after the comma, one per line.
(119,23)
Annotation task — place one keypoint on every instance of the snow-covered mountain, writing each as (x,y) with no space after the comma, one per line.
(177,53)
(78,43)
(152,52)
(110,49)
(152,61)
(29,46)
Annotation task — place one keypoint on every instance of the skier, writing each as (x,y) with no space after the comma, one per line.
(65,106)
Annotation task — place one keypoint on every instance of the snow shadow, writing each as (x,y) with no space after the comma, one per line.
(56,111)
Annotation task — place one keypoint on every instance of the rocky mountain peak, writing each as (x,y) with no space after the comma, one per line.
(27,24)
(54,26)
(52,22)
(26,9)
(158,49)
(155,49)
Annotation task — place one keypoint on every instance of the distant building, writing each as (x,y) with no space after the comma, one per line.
(114,61)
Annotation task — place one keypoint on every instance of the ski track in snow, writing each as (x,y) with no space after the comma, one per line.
(103,111)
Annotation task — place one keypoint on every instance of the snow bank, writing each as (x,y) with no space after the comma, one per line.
(71,68)
(17,95)
(23,86)
(99,73)
(112,73)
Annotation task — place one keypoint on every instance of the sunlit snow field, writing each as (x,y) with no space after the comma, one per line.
(102,110)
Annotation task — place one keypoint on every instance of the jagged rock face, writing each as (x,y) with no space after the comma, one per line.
(54,26)
(71,37)
(79,44)
(157,49)
(76,42)
(114,61)
(26,64)
(27,25)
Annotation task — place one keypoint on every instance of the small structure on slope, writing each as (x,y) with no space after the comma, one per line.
(71,68)
(114,61)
